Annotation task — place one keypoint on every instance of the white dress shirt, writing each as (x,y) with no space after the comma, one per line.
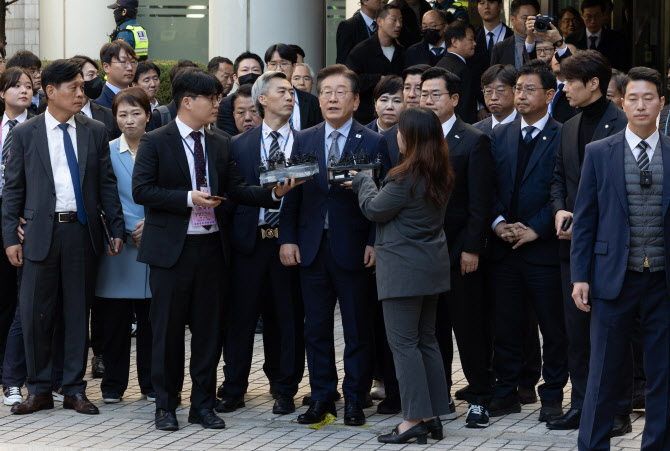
(185,132)
(284,146)
(154,105)
(86,109)
(65,200)
(448,124)
(598,35)
(295,117)
(5,124)
(507,120)
(498,34)
(633,140)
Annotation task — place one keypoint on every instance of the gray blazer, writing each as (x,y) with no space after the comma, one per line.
(411,247)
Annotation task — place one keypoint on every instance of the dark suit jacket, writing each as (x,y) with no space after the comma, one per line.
(29,190)
(612,44)
(470,86)
(105,98)
(310,110)
(503,53)
(411,30)
(568,169)
(32,108)
(304,209)
(534,203)
(369,62)
(373,126)
(156,116)
(104,115)
(484,126)
(349,33)
(562,110)
(162,180)
(664,122)
(467,222)
(600,234)
(420,53)
(482,60)
(391,136)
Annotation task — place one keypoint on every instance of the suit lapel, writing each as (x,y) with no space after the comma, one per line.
(321,153)
(513,135)
(571,157)
(455,135)
(606,126)
(42,145)
(176,145)
(83,144)
(354,139)
(545,138)
(212,152)
(255,138)
(665,149)
(126,160)
(617,164)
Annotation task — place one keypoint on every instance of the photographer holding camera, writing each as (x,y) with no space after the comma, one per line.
(543,27)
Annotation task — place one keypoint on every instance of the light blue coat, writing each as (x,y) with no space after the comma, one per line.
(122,276)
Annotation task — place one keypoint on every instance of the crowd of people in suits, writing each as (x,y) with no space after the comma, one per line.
(522,193)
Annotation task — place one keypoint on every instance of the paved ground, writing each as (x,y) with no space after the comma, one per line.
(129,425)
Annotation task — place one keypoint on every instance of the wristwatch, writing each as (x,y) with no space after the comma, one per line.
(559,43)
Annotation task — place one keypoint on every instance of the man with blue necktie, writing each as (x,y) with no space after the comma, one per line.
(433,47)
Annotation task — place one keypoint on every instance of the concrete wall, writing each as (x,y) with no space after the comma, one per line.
(22,27)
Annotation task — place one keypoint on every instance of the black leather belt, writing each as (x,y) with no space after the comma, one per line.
(268,232)
(67,216)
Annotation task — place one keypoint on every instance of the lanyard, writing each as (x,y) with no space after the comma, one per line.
(265,152)
(196,159)
(497,38)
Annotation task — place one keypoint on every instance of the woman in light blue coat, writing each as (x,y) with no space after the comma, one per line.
(123,282)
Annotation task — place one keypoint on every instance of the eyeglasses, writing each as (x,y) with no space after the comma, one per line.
(544,51)
(284,65)
(435,95)
(568,21)
(126,63)
(412,89)
(339,94)
(500,92)
(214,99)
(530,90)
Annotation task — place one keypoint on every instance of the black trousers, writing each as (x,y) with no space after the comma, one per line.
(9,298)
(384,366)
(262,284)
(116,339)
(70,265)
(462,309)
(192,291)
(97,340)
(520,286)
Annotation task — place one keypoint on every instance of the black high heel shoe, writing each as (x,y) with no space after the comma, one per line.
(434,426)
(419,431)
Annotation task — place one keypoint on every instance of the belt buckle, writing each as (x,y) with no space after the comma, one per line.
(60,215)
(270,233)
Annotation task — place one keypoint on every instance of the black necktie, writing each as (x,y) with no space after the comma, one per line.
(643,157)
(529,134)
(489,48)
(7,145)
(200,164)
(593,40)
(438,51)
(373,27)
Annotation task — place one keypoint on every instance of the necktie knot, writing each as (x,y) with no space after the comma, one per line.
(195,135)
(334,135)
(63,126)
(438,51)
(12,123)
(275,135)
(529,133)
(373,27)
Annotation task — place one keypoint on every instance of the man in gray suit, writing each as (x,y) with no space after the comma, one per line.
(58,175)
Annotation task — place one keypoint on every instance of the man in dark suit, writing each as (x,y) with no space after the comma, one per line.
(491,32)
(599,118)
(412,13)
(498,88)
(323,230)
(512,50)
(460,39)
(58,177)
(596,36)
(282,58)
(359,27)
(467,226)
(524,253)
(432,47)
(260,281)
(247,68)
(119,63)
(186,244)
(377,56)
(620,240)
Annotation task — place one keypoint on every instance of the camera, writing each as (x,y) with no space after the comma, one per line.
(542,23)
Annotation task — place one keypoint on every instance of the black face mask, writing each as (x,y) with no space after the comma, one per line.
(248,79)
(431,36)
(93,88)
(119,18)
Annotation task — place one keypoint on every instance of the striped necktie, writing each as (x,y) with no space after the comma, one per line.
(7,145)
(643,157)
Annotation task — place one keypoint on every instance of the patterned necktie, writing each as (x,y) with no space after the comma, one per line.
(373,27)
(529,134)
(643,157)
(7,145)
(274,147)
(200,164)
(593,40)
(334,151)
(489,48)
(74,172)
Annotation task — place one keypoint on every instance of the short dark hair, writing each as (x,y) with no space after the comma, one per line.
(517,4)
(112,50)
(584,65)
(25,59)
(385,10)
(593,4)
(192,82)
(134,96)
(246,56)
(618,77)
(242,91)
(60,71)
(451,80)
(214,63)
(505,73)
(285,52)
(181,65)
(458,30)
(389,84)
(146,66)
(339,69)
(541,69)
(639,74)
(417,69)
(11,77)
(568,9)
(298,50)
(83,59)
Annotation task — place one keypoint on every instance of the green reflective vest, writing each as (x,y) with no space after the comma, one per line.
(141,40)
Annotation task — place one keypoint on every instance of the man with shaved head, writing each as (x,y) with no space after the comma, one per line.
(432,48)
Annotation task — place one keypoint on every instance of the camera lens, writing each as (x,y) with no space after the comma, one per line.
(541,24)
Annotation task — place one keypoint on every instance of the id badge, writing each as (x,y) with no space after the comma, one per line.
(202,216)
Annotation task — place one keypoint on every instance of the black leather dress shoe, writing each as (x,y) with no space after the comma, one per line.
(550,410)
(221,392)
(206,418)
(527,395)
(166,420)
(353,413)
(621,426)
(97,366)
(463,393)
(570,420)
(317,412)
(283,405)
(230,404)
(434,426)
(503,406)
(389,405)
(419,431)
(307,399)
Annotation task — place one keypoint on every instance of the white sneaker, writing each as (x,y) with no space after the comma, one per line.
(12,396)
(57,395)
(151,397)
(377,391)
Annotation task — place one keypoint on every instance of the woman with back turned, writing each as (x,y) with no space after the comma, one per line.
(413,267)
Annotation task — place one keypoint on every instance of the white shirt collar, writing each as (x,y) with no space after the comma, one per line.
(633,140)
(539,125)
(185,130)
(589,34)
(344,130)
(507,120)
(86,109)
(123,144)
(462,59)
(446,126)
(379,127)
(442,46)
(496,31)
(283,131)
(21,118)
(368,20)
(53,123)
(154,105)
